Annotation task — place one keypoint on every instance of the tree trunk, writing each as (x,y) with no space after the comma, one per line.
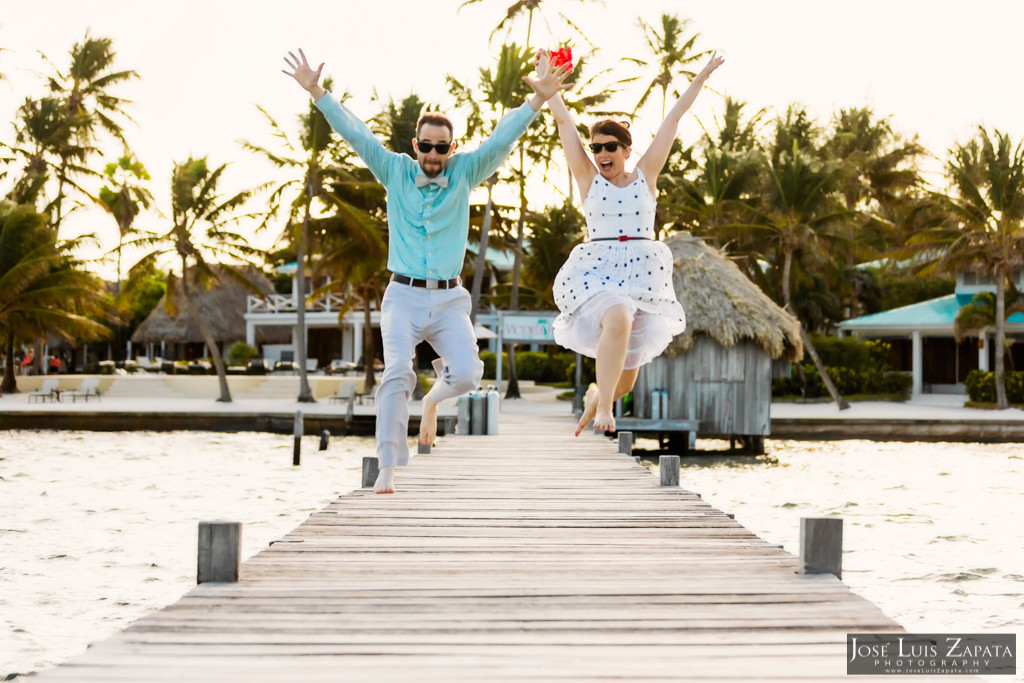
(513,383)
(481,258)
(1001,402)
(369,353)
(787,267)
(211,344)
(10,384)
(305,395)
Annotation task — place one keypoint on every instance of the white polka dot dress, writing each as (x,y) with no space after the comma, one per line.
(609,270)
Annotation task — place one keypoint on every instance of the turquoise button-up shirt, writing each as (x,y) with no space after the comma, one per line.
(428,226)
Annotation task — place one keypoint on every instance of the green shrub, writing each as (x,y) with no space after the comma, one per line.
(241,353)
(530,365)
(981,386)
(852,352)
(848,382)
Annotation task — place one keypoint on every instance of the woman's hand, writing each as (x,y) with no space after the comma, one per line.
(713,63)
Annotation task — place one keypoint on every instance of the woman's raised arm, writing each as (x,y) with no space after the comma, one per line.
(653,160)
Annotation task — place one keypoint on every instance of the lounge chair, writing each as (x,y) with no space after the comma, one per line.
(346,392)
(50,391)
(370,398)
(90,387)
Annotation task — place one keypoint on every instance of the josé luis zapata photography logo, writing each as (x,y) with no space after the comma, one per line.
(931,654)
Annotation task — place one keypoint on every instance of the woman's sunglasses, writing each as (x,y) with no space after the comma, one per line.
(596,147)
(441,147)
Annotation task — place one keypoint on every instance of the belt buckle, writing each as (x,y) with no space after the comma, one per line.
(431,284)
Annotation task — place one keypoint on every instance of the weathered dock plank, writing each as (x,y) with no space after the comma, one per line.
(531,555)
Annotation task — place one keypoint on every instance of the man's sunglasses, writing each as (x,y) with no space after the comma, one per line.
(441,147)
(596,147)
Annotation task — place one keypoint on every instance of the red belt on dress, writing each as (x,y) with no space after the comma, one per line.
(620,238)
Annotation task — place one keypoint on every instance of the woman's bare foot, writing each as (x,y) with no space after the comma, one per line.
(604,421)
(428,422)
(589,409)
(385,480)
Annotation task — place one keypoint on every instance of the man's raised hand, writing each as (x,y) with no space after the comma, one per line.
(304,74)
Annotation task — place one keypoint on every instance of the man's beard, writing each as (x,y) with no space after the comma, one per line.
(431,173)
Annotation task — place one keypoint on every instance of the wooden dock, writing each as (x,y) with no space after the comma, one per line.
(528,556)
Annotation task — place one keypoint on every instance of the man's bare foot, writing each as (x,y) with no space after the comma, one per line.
(385,480)
(604,421)
(589,409)
(428,422)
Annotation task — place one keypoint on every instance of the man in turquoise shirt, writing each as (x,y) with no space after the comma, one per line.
(428,221)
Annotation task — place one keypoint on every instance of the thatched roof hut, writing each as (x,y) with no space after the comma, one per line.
(222,307)
(721,302)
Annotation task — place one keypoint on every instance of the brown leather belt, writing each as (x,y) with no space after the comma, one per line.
(426,284)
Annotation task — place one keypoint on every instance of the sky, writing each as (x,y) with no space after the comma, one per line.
(936,68)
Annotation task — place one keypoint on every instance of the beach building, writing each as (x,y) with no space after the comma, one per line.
(922,340)
(719,370)
(222,307)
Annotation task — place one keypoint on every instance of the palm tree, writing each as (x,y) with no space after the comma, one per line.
(85,89)
(44,288)
(302,161)
(354,250)
(985,228)
(43,140)
(201,227)
(518,9)
(979,316)
(555,232)
(702,195)
(793,224)
(672,52)
(124,197)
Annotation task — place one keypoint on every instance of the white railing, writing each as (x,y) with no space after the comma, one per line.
(279,303)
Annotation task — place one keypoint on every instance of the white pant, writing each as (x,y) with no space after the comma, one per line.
(410,315)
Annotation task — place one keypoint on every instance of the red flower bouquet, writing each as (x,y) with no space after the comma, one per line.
(562,55)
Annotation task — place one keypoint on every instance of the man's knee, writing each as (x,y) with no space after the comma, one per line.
(466,375)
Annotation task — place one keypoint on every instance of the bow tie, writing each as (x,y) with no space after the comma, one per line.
(439,180)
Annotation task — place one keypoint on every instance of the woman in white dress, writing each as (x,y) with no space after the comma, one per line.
(614,292)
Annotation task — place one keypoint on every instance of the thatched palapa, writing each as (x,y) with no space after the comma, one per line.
(721,302)
(223,309)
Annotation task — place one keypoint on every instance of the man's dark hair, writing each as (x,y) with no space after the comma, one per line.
(435,118)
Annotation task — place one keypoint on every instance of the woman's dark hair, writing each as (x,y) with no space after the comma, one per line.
(617,129)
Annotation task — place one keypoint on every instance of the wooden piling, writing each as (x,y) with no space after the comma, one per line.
(669,466)
(626,443)
(325,437)
(821,545)
(370,471)
(296,451)
(220,552)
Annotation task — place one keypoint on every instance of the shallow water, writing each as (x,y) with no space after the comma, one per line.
(96,529)
(933,533)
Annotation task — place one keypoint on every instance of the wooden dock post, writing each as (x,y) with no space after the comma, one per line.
(626,443)
(669,466)
(371,469)
(325,438)
(220,552)
(298,438)
(821,545)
